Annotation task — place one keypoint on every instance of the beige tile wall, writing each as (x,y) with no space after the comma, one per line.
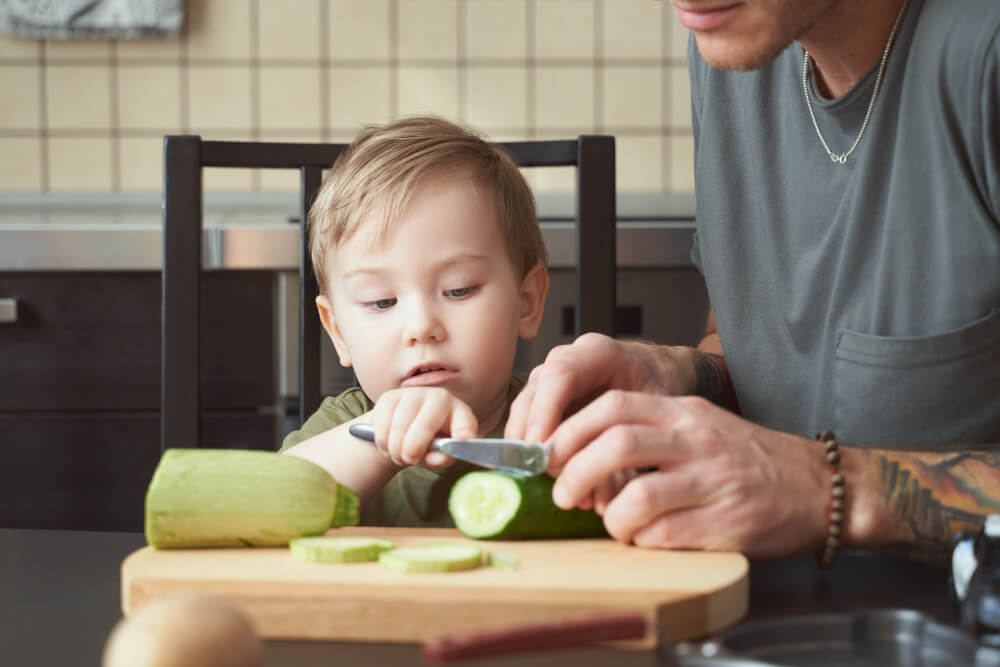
(90,115)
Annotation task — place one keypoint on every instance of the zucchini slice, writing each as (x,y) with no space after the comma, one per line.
(334,549)
(441,557)
(503,560)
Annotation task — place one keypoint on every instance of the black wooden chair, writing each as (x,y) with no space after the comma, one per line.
(186,156)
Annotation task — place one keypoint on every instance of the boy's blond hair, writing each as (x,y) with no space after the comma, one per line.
(384,166)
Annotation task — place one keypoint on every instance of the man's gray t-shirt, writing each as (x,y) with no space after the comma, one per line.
(862,297)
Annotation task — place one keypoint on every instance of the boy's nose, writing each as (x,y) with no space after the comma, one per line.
(422,326)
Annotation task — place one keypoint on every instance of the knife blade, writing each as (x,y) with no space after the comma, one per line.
(513,457)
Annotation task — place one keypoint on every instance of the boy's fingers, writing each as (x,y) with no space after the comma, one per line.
(382,418)
(437,460)
(405,420)
(463,421)
(424,426)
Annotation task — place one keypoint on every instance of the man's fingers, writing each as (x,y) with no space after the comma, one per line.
(569,374)
(646,498)
(616,448)
(554,389)
(518,414)
(610,487)
(610,409)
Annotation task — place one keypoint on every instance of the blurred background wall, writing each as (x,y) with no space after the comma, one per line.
(88,116)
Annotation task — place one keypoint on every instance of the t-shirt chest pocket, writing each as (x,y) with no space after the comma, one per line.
(926,390)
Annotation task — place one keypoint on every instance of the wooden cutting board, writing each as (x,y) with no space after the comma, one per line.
(691,594)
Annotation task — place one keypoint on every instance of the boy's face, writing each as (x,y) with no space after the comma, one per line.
(438,302)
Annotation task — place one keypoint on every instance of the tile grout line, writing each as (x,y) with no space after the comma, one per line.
(324,72)
(83,132)
(254,6)
(462,61)
(184,79)
(374,62)
(43,120)
(598,67)
(393,58)
(443,63)
(115,120)
(665,98)
(530,69)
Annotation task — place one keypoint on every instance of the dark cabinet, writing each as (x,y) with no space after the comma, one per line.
(80,389)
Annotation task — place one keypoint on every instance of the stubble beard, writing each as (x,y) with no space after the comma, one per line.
(759,55)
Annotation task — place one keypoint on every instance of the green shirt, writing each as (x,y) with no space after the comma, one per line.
(415,496)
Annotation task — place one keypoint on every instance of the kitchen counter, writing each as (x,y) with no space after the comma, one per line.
(60,599)
(257,231)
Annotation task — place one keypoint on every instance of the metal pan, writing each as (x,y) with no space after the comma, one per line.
(879,637)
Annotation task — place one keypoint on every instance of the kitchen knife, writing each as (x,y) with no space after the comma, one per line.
(513,457)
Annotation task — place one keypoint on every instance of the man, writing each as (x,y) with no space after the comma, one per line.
(847,162)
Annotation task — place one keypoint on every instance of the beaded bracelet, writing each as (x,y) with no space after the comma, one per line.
(837,498)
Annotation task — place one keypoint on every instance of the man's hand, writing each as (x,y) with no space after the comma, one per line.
(407,419)
(721,482)
(575,374)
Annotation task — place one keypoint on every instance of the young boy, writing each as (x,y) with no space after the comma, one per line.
(431,265)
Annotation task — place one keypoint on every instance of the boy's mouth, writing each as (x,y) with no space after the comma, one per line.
(428,374)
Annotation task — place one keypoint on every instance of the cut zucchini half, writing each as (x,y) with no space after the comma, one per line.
(231,498)
(439,557)
(485,504)
(333,549)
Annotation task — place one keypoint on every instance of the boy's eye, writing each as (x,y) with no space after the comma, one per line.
(380,304)
(459,292)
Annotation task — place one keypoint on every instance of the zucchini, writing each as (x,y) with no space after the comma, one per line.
(439,557)
(486,504)
(334,549)
(232,497)
(503,560)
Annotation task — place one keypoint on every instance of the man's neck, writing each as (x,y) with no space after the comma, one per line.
(848,41)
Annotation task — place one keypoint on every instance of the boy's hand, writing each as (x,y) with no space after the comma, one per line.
(407,419)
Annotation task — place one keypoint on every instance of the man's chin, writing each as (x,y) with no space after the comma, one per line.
(735,56)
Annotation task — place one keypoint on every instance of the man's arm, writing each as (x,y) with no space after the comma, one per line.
(921,499)
(916,502)
(711,374)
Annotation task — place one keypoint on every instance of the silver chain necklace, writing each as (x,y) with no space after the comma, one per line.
(842,157)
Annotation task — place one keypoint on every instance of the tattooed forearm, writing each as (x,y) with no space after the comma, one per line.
(934,496)
(712,381)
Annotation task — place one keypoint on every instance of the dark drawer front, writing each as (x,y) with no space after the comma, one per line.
(91,341)
(86,472)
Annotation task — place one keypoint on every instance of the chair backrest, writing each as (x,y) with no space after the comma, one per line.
(186,155)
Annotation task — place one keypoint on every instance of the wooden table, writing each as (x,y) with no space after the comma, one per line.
(59,599)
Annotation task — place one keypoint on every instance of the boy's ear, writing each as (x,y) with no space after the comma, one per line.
(329,321)
(534,290)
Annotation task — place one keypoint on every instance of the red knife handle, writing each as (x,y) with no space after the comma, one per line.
(535,637)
